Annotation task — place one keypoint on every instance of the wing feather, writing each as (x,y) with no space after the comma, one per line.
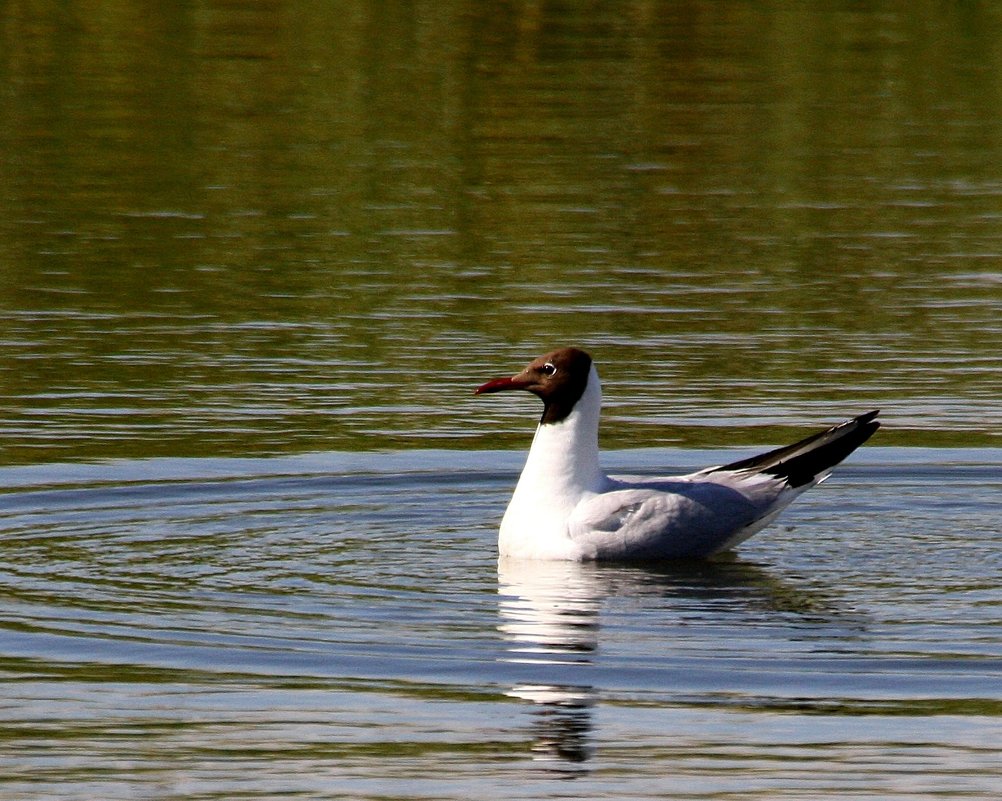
(671,519)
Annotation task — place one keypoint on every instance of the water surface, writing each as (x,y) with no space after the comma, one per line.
(254,258)
(333,624)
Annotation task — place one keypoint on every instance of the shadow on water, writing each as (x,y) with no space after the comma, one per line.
(551,623)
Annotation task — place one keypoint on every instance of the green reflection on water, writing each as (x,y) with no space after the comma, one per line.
(273,228)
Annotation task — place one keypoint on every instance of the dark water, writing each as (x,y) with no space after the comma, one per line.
(254,257)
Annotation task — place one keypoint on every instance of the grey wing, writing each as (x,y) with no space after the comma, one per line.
(669,520)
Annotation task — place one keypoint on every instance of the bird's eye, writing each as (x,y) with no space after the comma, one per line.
(549,369)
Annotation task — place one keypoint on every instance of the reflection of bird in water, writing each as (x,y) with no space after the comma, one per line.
(549,608)
(747,587)
(550,622)
(562,726)
(549,614)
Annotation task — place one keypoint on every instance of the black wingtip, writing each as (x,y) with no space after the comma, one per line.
(802,462)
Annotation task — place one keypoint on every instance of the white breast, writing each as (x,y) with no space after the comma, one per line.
(561,470)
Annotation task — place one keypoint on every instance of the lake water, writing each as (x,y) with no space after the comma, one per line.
(255,257)
(338,626)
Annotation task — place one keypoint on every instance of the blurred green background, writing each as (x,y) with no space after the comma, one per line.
(236,228)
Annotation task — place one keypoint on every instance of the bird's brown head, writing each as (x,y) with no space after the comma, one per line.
(558,378)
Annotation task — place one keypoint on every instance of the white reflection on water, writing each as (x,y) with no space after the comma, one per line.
(659,622)
(549,616)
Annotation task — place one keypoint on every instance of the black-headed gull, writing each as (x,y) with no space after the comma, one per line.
(565,507)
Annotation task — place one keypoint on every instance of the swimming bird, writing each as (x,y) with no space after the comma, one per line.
(565,507)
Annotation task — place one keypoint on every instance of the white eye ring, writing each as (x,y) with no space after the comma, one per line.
(549,369)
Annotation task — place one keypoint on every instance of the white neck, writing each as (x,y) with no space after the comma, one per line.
(561,469)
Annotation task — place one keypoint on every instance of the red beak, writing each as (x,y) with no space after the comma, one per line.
(501,385)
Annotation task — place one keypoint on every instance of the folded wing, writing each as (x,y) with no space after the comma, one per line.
(673,519)
(713,510)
